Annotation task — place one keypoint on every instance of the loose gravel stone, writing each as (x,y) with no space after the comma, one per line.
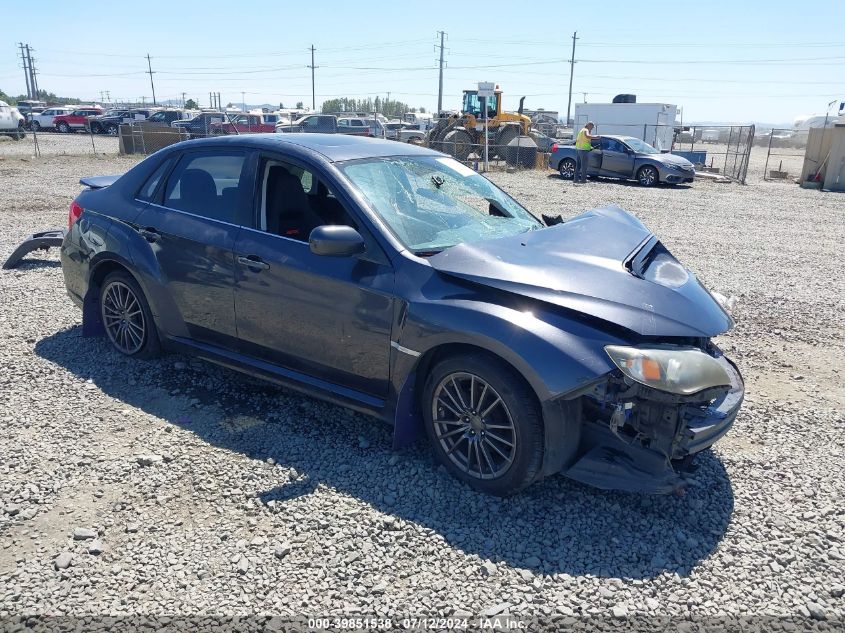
(82,534)
(63,560)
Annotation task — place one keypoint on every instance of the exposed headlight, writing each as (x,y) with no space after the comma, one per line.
(681,371)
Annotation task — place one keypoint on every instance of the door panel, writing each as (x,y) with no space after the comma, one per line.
(329,317)
(196,259)
(616,161)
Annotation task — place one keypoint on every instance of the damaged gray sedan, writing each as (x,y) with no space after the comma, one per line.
(394,280)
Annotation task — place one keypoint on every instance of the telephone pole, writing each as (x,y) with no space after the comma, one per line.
(150,72)
(571,73)
(440,88)
(183,99)
(25,69)
(33,80)
(312,67)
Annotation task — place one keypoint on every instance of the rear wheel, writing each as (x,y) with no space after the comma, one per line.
(567,169)
(484,423)
(127,318)
(647,176)
(458,143)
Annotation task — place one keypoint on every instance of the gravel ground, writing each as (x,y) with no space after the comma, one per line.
(176,487)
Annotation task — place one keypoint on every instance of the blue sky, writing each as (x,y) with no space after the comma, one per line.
(724,61)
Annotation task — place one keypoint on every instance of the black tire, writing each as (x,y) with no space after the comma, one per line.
(112,129)
(96,128)
(458,143)
(518,414)
(36,126)
(149,345)
(63,127)
(566,168)
(505,136)
(20,134)
(648,176)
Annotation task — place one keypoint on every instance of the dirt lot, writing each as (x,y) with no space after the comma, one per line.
(208,493)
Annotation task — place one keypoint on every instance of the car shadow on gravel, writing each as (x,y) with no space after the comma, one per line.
(554,527)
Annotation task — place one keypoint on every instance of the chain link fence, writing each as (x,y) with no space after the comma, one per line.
(785,149)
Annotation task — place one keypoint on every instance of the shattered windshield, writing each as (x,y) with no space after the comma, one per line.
(432,203)
(641,147)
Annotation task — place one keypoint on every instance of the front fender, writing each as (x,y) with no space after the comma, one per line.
(557,356)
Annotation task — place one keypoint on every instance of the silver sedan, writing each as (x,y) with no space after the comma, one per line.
(625,157)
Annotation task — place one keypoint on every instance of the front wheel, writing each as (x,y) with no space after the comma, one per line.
(127,318)
(36,126)
(567,169)
(484,423)
(111,130)
(647,176)
(63,127)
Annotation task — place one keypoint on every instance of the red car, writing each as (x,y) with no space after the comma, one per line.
(246,124)
(76,120)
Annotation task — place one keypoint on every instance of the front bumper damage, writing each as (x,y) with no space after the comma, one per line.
(37,241)
(637,439)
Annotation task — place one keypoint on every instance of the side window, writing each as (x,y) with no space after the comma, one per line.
(342,123)
(294,202)
(208,185)
(148,189)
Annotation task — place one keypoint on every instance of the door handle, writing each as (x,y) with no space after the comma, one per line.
(254,262)
(149,234)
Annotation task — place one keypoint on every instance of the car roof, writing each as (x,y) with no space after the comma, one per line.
(335,147)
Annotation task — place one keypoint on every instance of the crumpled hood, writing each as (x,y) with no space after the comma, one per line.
(581,265)
(671,159)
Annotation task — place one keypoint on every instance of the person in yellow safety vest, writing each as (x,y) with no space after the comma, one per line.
(583,147)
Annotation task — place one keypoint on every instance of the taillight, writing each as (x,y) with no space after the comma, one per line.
(73,213)
(554,148)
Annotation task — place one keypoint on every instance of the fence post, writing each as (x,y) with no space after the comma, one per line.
(91,132)
(768,153)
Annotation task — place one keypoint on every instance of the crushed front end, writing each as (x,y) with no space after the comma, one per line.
(638,438)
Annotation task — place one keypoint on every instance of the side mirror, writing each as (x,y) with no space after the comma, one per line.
(336,241)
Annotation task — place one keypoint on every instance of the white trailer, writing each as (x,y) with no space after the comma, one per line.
(654,123)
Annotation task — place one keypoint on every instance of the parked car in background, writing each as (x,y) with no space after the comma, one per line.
(11,121)
(109,122)
(76,119)
(627,158)
(246,124)
(201,125)
(45,120)
(354,126)
(29,107)
(165,118)
(394,280)
(310,123)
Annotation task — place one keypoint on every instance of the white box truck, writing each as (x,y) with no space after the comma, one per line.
(654,123)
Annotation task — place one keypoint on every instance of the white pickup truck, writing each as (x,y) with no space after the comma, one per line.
(11,121)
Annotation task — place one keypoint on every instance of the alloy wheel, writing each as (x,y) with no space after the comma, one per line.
(567,169)
(123,318)
(473,425)
(648,176)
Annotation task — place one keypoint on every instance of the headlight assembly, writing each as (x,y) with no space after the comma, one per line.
(681,371)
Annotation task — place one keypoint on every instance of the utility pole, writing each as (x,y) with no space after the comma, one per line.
(150,73)
(210,101)
(183,99)
(312,67)
(33,80)
(219,107)
(386,103)
(108,96)
(571,73)
(243,101)
(25,69)
(440,88)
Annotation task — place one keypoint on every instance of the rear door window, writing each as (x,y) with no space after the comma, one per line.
(210,184)
(148,190)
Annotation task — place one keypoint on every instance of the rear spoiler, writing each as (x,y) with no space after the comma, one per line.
(98,182)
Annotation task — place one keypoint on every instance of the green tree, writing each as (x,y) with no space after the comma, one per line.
(299,105)
(422,110)
(190,104)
